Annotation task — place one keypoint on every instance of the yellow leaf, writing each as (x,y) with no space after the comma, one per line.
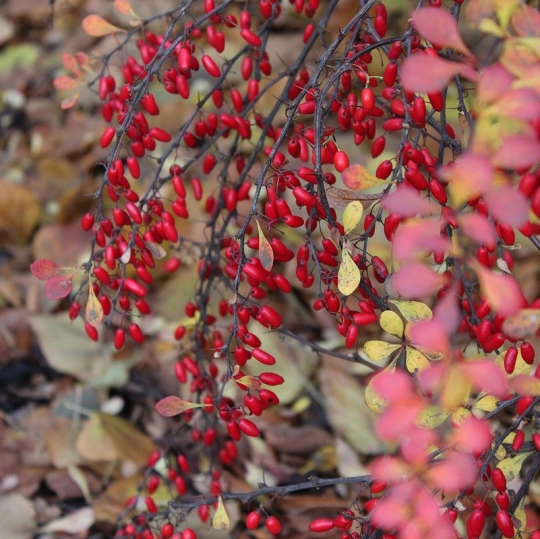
(374,401)
(391,323)
(97,26)
(520,515)
(413,311)
(456,389)
(489,26)
(266,253)
(249,381)
(513,465)
(94,310)
(348,274)
(431,417)
(415,361)
(352,215)
(487,403)
(378,350)
(460,415)
(357,178)
(221,520)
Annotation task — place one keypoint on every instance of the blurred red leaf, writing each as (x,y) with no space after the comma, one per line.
(508,205)
(518,151)
(440,28)
(415,281)
(478,228)
(406,202)
(425,74)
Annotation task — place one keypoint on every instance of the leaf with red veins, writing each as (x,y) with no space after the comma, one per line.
(478,228)
(472,436)
(455,472)
(425,74)
(508,205)
(416,238)
(518,151)
(406,202)
(502,291)
(439,28)
(415,281)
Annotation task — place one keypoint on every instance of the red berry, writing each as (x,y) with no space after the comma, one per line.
(341,161)
(321,525)
(273,525)
(253,520)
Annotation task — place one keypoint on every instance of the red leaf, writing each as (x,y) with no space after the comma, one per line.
(518,151)
(425,74)
(58,287)
(508,206)
(440,28)
(415,281)
(406,202)
(44,269)
(493,82)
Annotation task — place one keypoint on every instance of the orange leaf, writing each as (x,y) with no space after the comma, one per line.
(266,253)
(356,177)
(97,26)
(65,82)
(171,406)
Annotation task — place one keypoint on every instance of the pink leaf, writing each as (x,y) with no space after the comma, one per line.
(425,74)
(406,202)
(518,151)
(417,239)
(501,291)
(472,436)
(447,313)
(430,336)
(487,376)
(44,269)
(493,82)
(508,205)
(389,469)
(456,472)
(478,228)
(440,28)
(58,287)
(415,281)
